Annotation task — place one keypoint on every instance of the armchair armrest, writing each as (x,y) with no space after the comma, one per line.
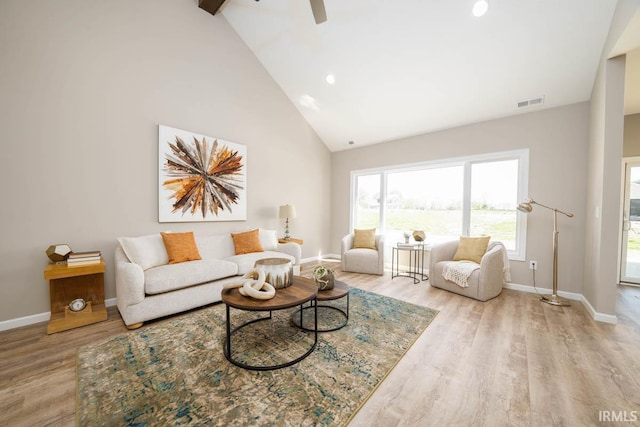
(345,245)
(442,252)
(492,266)
(380,247)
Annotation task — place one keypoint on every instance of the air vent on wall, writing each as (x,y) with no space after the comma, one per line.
(531,102)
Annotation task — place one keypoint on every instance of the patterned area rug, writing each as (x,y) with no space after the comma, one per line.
(175,372)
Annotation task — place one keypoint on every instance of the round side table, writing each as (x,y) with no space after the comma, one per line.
(339,291)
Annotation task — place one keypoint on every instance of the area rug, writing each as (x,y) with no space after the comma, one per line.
(174,372)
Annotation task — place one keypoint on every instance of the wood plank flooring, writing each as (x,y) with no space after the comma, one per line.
(511,361)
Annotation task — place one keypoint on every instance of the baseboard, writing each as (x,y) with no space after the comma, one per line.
(38,318)
(328,257)
(543,291)
(600,317)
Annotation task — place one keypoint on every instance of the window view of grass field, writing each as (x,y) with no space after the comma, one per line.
(432,200)
(632,227)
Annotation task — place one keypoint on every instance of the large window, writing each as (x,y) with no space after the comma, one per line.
(475,196)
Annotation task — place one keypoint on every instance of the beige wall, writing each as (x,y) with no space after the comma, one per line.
(84,85)
(557,140)
(602,230)
(631,135)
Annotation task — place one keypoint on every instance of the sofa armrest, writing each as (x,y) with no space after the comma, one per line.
(291,248)
(129,281)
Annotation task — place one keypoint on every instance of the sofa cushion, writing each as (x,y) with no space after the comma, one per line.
(146,251)
(170,277)
(365,239)
(268,239)
(180,247)
(471,248)
(215,246)
(246,262)
(247,242)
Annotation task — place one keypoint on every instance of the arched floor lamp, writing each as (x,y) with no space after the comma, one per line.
(526,207)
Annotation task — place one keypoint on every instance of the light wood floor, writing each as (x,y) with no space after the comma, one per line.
(511,361)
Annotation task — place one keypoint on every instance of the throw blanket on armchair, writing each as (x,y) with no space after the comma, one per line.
(459,272)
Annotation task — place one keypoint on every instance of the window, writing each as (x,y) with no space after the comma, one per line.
(470,197)
(428,199)
(494,200)
(367,211)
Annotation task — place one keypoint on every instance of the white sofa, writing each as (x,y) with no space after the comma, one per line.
(148,287)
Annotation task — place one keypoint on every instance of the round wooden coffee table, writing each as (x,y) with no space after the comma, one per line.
(301,291)
(340,290)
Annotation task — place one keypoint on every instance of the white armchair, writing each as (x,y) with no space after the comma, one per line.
(483,284)
(362,260)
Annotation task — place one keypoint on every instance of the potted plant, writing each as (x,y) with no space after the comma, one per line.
(323,277)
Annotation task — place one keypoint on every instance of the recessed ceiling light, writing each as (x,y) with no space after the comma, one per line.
(480,8)
(331,79)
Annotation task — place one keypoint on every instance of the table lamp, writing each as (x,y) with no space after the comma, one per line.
(287,211)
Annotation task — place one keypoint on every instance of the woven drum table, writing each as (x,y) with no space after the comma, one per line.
(278,271)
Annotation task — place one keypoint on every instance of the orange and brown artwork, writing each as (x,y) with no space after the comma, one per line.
(202,177)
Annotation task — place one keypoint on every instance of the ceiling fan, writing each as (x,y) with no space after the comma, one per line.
(317,7)
(319,12)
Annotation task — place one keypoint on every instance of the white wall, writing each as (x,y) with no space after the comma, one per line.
(84,85)
(558,141)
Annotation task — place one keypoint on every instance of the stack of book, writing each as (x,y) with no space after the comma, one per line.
(77,259)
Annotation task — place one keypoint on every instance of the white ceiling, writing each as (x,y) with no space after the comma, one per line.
(409,67)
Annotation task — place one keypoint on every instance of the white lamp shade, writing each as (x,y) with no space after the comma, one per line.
(287,211)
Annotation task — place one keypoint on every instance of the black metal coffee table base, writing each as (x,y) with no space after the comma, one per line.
(301,291)
(339,291)
(230,332)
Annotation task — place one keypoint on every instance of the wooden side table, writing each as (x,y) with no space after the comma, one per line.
(69,283)
(291,240)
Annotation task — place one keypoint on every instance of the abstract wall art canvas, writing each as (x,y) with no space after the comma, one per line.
(201,178)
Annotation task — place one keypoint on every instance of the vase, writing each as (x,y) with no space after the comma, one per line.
(418,236)
(325,282)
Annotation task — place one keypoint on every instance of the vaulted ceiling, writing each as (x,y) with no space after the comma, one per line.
(409,67)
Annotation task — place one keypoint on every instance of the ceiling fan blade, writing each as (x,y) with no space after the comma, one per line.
(319,13)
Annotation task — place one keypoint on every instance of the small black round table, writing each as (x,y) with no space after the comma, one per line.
(340,290)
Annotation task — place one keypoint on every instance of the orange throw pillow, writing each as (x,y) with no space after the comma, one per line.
(248,242)
(180,247)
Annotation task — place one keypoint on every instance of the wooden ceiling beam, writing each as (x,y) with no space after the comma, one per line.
(211,6)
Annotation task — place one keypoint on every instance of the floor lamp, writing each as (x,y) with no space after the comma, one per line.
(526,207)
